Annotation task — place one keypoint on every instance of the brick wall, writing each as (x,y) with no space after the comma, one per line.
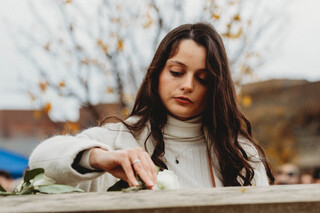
(30,123)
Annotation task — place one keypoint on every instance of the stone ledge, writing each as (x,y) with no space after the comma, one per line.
(290,198)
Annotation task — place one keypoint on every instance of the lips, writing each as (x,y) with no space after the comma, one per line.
(183,99)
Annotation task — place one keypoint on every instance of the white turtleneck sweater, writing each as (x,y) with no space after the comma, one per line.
(185,143)
(184,140)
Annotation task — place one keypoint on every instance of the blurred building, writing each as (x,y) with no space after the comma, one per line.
(285,116)
(22,130)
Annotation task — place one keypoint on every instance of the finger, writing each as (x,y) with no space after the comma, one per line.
(142,169)
(126,165)
(118,172)
(152,168)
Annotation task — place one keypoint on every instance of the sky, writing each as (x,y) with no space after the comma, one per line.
(298,57)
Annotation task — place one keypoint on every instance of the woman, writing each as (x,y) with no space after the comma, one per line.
(185,119)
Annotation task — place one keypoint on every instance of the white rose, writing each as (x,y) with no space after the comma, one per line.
(39,180)
(167,180)
(42,181)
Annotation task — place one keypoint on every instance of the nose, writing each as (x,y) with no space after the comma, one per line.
(187,83)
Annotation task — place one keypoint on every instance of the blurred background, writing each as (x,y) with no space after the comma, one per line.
(65,64)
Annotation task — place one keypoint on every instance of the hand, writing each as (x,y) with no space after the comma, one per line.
(120,164)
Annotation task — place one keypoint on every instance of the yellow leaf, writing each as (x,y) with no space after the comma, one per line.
(128,98)
(37,114)
(215,16)
(233,36)
(236,17)
(238,34)
(109,90)
(148,24)
(125,112)
(103,46)
(94,61)
(100,42)
(85,61)
(233,2)
(70,128)
(33,98)
(149,21)
(242,190)
(43,85)
(116,20)
(246,101)
(245,69)
(105,49)
(62,84)
(78,47)
(226,34)
(120,45)
(47,46)
(47,108)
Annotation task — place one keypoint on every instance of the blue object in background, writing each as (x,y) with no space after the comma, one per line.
(13,163)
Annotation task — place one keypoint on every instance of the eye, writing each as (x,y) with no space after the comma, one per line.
(202,81)
(176,73)
(202,78)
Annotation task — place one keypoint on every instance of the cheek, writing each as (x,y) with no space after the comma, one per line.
(162,86)
(166,85)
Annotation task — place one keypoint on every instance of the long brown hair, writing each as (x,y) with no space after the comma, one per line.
(222,118)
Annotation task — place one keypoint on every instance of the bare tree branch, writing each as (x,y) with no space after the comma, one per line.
(105,47)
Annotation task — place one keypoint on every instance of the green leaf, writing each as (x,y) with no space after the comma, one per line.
(118,186)
(25,185)
(142,185)
(132,189)
(58,188)
(2,189)
(27,191)
(36,182)
(3,192)
(32,173)
(6,193)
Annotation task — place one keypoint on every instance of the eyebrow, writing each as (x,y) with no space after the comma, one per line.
(182,64)
(178,62)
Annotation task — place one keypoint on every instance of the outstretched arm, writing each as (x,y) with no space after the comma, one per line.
(57,156)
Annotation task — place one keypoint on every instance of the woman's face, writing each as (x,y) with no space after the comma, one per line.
(182,82)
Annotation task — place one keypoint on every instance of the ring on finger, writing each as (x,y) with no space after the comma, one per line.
(135,161)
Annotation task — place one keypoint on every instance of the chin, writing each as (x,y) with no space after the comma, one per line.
(182,116)
(181,113)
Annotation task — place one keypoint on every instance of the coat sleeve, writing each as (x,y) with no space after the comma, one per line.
(57,154)
(260,177)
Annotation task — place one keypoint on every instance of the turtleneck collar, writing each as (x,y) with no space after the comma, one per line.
(185,130)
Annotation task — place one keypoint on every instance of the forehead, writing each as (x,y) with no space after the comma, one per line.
(190,54)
